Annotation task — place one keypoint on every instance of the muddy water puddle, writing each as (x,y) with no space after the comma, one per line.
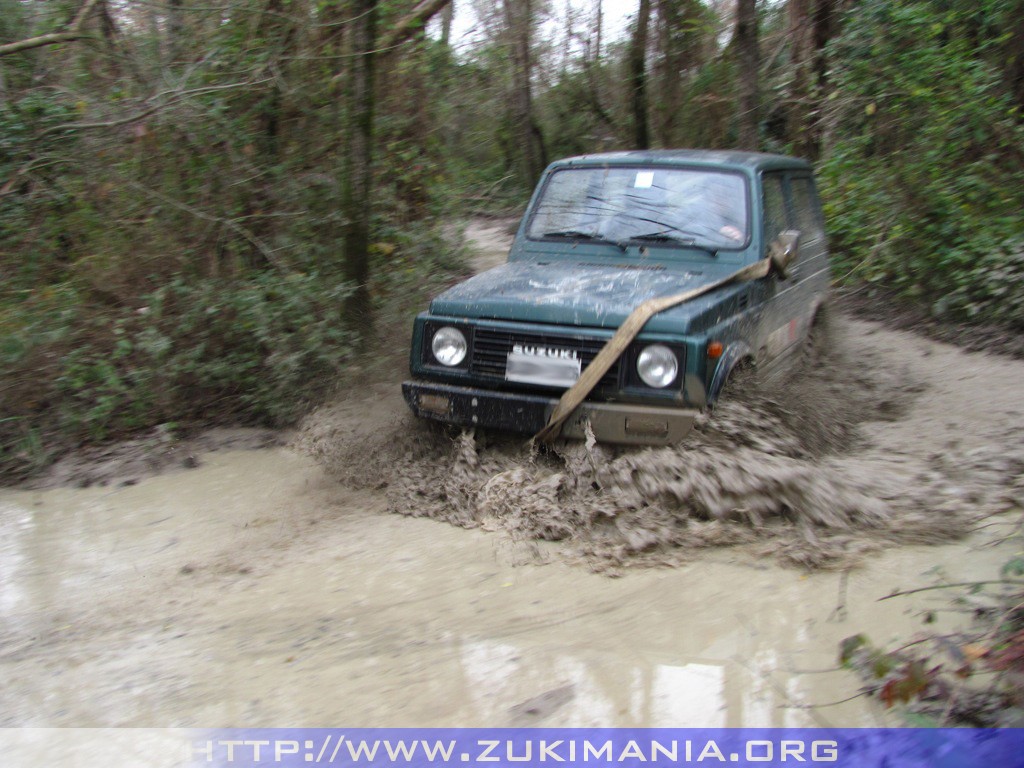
(254,591)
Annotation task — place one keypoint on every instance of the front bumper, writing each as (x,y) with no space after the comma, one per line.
(622,423)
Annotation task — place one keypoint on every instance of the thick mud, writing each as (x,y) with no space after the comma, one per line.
(840,457)
(788,468)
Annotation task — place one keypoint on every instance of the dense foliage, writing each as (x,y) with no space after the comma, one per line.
(176,214)
(925,156)
(170,234)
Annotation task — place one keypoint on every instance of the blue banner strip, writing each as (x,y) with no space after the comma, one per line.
(604,747)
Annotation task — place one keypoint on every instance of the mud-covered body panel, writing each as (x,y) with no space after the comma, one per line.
(585,294)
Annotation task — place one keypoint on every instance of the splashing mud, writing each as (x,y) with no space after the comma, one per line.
(788,469)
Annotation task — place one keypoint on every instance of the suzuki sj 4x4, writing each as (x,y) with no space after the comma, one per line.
(730,246)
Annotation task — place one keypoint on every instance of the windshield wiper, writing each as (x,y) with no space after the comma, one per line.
(666,237)
(590,237)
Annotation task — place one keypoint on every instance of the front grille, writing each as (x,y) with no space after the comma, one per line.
(491,348)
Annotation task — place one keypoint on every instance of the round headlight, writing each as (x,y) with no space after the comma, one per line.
(657,366)
(449,346)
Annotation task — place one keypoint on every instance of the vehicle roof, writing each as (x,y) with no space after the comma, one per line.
(752,161)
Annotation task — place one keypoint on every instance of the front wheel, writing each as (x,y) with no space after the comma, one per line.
(819,339)
(740,381)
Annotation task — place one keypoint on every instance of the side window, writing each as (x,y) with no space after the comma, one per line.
(806,209)
(775,219)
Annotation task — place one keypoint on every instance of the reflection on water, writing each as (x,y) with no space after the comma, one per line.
(13,522)
(254,592)
(688,694)
(92,748)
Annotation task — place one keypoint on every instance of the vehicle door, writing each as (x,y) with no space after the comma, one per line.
(779,295)
(810,270)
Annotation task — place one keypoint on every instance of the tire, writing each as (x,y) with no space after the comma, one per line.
(819,341)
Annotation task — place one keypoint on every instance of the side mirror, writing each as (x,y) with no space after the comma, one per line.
(783,250)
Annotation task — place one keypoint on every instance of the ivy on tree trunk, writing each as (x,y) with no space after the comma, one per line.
(745,41)
(358,165)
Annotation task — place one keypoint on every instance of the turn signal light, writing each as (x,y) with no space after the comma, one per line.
(715,350)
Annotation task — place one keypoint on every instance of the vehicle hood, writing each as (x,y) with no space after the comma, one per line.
(582,294)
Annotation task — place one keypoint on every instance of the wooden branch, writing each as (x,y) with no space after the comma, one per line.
(39,162)
(405,28)
(38,42)
(176,97)
(83,13)
(231,224)
(1007,582)
(108,124)
(73,32)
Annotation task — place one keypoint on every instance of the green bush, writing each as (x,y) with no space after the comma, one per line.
(922,172)
(257,350)
(188,268)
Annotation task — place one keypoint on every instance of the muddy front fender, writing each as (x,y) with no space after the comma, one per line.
(734,354)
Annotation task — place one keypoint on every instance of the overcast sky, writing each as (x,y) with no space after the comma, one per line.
(466,27)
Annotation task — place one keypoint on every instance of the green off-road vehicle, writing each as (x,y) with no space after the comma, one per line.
(602,235)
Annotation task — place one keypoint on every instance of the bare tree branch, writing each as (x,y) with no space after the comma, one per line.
(408,26)
(231,224)
(73,32)
(1010,582)
(39,162)
(400,33)
(108,124)
(176,97)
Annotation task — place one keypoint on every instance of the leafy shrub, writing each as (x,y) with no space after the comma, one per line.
(187,268)
(942,680)
(922,174)
(257,350)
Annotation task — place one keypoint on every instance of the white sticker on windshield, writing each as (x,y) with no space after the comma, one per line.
(644,180)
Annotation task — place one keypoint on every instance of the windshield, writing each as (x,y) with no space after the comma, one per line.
(669,206)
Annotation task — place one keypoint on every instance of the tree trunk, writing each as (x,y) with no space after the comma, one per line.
(358,173)
(158,54)
(799,34)
(446,23)
(824,30)
(175,31)
(638,76)
(519,23)
(745,40)
(570,35)
(680,41)
(1015,55)
(279,38)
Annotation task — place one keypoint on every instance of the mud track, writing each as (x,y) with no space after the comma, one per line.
(834,460)
(266,588)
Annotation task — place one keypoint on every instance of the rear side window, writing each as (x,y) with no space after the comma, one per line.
(806,208)
(775,219)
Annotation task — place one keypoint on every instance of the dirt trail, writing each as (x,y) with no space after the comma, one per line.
(258,590)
